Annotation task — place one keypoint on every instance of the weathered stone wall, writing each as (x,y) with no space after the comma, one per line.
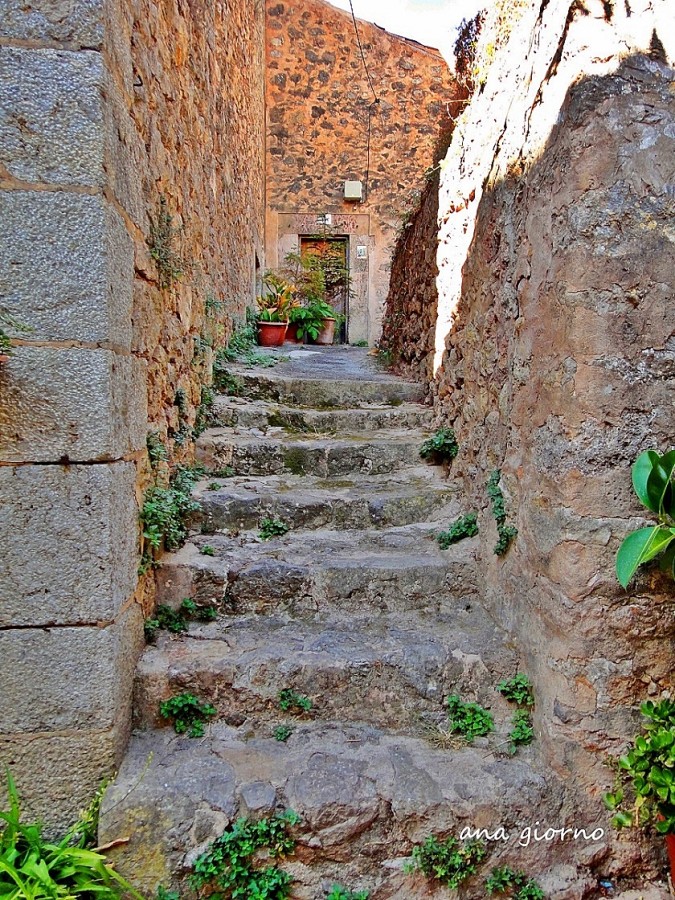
(319,103)
(105,108)
(555,357)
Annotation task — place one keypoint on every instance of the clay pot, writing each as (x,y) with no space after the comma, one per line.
(271,334)
(327,333)
(670,847)
(292,334)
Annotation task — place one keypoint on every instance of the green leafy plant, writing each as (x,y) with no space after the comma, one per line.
(164,894)
(277,300)
(32,868)
(522,732)
(213,486)
(232,865)
(463,527)
(207,550)
(205,416)
(203,612)
(517,689)
(272,527)
(226,472)
(517,884)
(188,713)
(157,452)
(162,243)
(441,447)
(337,892)
(282,733)
(176,621)
(652,477)
(165,512)
(449,861)
(647,772)
(7,320)
(224,381)
(505,533)
(290,701)
(468,719)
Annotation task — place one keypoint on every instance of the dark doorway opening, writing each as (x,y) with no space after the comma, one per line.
(334,258)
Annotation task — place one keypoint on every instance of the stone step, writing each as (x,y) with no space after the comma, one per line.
(389,671)
(261,414)
(324,391)
(359,501)
(364,797)
(309,574)
(369,453)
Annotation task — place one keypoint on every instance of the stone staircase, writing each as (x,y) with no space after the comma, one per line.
(357,608)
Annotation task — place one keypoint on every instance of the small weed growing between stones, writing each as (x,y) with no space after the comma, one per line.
(469,719)
(282,733)
(231,863)
(163,894)
(339,893)
(226,472)
(165,512)
(162,243)
(157,452)
(213,486)
(272,527)
(448,861)
(188,714)
(205,417)
(517,689)
(522,732)
(223,380)
(506,533)
(176,622)
(518,886)
(290,701)
(464,527)
(207,550)
(441,447)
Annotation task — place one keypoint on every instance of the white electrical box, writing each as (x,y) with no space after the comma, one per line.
(353,190)
(325,219)
(361,252)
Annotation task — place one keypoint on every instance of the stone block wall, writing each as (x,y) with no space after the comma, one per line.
(106,107)
(320,104)
(554,358)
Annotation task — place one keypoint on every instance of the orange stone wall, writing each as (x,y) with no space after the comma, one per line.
(319,102)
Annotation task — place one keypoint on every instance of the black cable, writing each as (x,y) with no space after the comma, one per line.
(363,55)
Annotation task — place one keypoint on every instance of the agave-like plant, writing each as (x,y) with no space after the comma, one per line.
(652,477)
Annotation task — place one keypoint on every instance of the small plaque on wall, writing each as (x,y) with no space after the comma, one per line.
(361,252)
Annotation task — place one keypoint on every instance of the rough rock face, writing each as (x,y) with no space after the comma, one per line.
(555,358)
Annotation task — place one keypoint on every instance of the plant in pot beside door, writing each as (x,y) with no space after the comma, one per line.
(645,790)
(273,310)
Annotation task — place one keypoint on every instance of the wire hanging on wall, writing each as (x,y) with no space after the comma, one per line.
(370,105)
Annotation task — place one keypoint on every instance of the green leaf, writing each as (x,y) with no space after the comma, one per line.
(639,547)
(642,468)
(659,480)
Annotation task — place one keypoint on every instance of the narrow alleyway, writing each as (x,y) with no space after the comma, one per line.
(355,608)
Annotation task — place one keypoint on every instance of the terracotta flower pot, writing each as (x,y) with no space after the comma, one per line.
(292,334)
(327,333)
(670,847)
(271,334)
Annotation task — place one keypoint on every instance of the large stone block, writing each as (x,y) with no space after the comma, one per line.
(84,516)
(66,266)
(51,115)
(68,678)
(78,22)
(71,405)
(57,775)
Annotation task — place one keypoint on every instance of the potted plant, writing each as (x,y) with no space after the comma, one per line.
(274,306)
(646,780)
(328,318)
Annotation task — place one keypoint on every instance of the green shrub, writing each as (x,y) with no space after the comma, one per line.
(165,512)
(232,864)
(448,861)
(464,527)
(468,719)
(441,447)
(652,477)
